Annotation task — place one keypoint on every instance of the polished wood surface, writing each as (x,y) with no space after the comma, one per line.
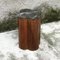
(29,33)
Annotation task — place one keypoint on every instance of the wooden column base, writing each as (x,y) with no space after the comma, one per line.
(29,33)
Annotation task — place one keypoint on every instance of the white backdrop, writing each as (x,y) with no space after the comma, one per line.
(13,5)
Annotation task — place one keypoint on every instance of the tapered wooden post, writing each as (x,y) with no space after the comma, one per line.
(29,33)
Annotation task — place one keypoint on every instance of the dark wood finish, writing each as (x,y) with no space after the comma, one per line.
(29,33)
